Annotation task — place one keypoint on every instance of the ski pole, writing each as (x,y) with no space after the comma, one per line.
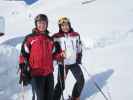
(61,85)
(60,80)
(97,86)
(21,95)
(64,71)
(22,91)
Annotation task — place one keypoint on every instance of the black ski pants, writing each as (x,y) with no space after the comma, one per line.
(43,86)
(60,86)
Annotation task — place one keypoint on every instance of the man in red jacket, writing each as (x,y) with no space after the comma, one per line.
(36,59)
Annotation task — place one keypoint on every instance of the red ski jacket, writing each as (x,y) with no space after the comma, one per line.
(37,49)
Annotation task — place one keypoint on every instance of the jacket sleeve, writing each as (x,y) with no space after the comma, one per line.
(24,53)
(57,52)
(25,76)
(79,51)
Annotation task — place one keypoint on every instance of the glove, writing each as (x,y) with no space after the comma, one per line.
(60,56)
(25,76)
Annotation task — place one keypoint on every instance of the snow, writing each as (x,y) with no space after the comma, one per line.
(8,72)
(107,34)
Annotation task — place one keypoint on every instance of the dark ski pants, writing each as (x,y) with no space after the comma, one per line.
(60,86)
(33,90)
(43,86)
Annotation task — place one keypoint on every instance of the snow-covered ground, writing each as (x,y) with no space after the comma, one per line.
(106,28)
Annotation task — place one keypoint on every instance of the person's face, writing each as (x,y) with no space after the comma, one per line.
(65,27)
(41,25)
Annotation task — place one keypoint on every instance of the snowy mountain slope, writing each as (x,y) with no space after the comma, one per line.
(20,21)
(113,16)
(117,57)
(8,70)
(106,31)
(99,18)
(110,67)
(14,41)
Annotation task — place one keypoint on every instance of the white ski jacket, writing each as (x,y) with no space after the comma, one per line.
(71,44)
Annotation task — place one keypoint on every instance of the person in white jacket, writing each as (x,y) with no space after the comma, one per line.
(68,42)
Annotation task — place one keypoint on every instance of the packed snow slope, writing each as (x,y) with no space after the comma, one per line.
(106,29)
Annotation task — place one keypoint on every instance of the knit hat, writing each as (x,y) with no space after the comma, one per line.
(63,20)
